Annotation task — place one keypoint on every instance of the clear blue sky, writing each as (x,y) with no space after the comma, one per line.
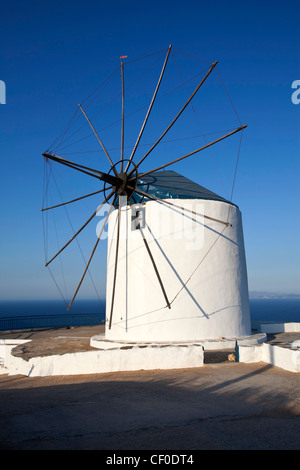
(54,53)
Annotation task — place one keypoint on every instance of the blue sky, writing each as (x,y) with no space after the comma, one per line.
(54,53)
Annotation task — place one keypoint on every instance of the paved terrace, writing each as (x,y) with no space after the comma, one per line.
(222,405)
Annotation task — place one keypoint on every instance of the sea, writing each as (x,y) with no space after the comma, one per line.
(24,314)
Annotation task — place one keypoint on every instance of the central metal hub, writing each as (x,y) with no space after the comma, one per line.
(121,188)
(123,183)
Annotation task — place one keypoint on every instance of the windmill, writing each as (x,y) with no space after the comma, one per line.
(151,307)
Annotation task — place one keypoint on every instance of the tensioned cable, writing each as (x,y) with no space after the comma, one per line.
(73,120)
(105,82)
(45,224)
(62,296)
(235,172)
(60,258)
(167,141)
(236,166)
(46,180)
(228,96)
(61,136)
(194,57)
(74,234)
(146,56)
(45,217)
(129,114)
(66,302)
(202,60)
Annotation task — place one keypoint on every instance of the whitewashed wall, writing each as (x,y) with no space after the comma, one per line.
(207,255)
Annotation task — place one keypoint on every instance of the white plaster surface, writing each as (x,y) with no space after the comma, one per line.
(109,360)
(202,266)
(270,327)
(6,345)
(100,342)
(285,358)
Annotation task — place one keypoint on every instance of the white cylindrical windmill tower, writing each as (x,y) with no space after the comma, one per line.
(179,273)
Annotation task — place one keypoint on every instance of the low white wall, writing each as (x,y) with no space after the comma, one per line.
(280,327)
(113,360)
(6,345)
(285,358)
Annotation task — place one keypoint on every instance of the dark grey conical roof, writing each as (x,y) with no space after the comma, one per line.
(169,185)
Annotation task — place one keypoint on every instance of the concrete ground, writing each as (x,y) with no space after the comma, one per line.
(222,405)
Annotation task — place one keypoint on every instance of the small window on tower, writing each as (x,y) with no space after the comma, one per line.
(137,217)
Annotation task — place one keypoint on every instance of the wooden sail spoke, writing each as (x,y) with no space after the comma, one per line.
(114,180)
(92,254)
(75,166)
(193,153)
(80,230)
(99,140)
(116,266)
(150,108)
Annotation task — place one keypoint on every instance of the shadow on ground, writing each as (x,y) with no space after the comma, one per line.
(219,406)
